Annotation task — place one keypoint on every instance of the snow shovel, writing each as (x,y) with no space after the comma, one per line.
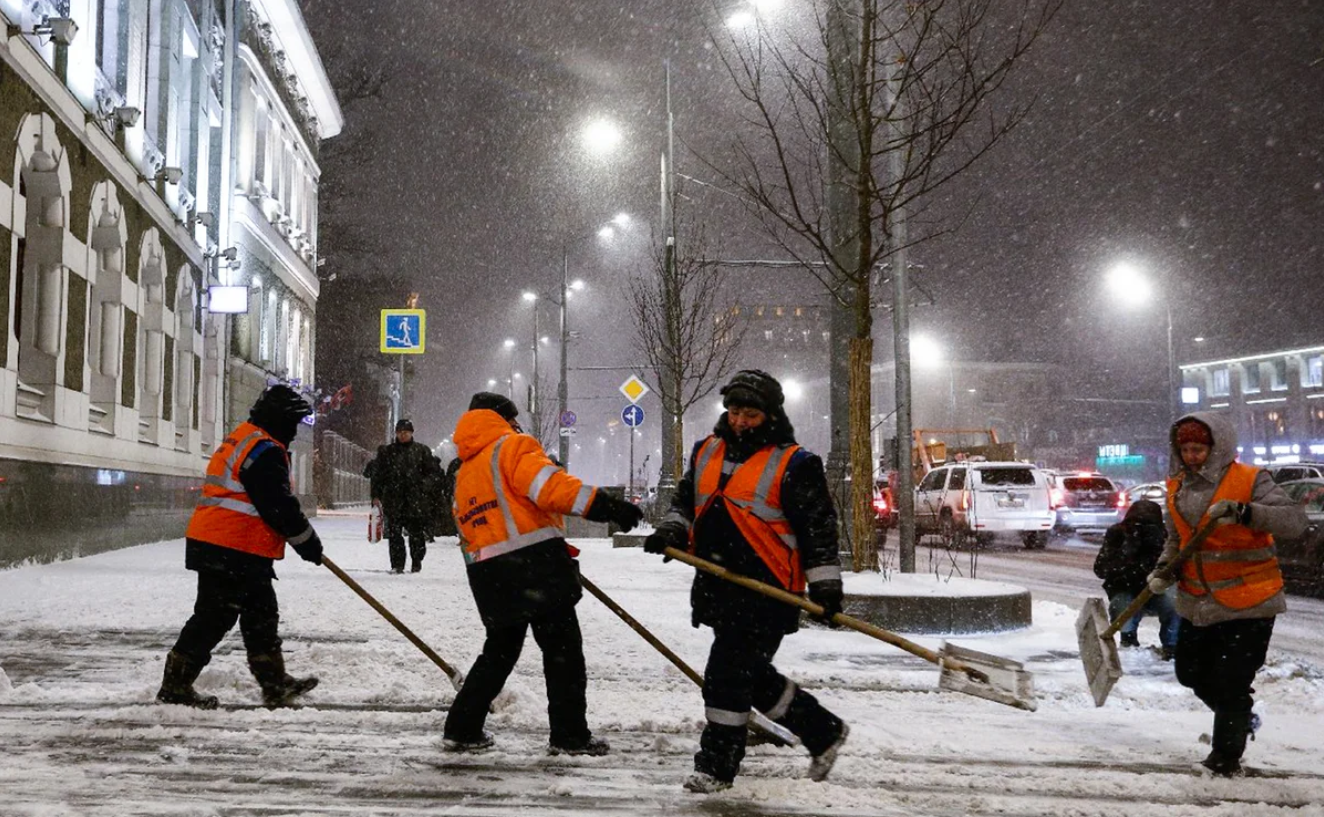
(456,677)
(757,720)
(1094,635)
(960,670)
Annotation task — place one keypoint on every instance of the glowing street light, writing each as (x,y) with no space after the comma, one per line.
(1128,284)
(602,136)
(793,390)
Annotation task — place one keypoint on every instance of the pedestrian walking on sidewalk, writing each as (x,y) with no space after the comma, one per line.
(245,517)
(1231,590)
(405,476)
(1130,552)
(756,503)
(509,505)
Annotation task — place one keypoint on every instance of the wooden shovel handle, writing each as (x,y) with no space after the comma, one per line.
(1169,571)
(450,671)
(816,610)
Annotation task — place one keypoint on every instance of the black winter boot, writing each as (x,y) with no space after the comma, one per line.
(1229,743)
(279,690)
(177,683)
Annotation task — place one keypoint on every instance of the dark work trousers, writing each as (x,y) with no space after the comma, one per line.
(1219,662)
(740,676)
(557,634)
(223,599)
(418,546)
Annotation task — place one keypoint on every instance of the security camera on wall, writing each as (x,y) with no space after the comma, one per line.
(230,253)
(127,116)
(206,219)
(170,175)
(61,30)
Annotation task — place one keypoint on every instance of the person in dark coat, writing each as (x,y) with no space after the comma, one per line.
(245,517)
(404,475)
(510,504)
(761,509)
(1130,551)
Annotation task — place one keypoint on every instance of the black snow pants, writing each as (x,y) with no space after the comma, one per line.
(224,598)
(740,676)
(418,547)
(558,636)
(1218,663)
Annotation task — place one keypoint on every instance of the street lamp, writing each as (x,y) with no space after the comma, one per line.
(926,353)
(510,347)
(602,136)
(1128,284)
(562,389)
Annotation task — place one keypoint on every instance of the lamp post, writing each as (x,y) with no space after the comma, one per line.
(1130,286)
(509,344)
(534,408)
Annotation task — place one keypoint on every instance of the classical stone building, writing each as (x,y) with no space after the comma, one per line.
(155,143)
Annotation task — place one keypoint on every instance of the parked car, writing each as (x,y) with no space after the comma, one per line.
(982,499)
(1153,491)
(1085,502)
(1290,472)
(1302,559)
(884,509)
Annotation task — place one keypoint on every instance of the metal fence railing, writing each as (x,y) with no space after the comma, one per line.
(338,471)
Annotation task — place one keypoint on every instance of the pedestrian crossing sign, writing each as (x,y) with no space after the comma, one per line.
(404,331)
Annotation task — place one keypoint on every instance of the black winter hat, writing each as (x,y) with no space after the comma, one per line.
(496,402)
(404,425)
(753,388)
(280,402)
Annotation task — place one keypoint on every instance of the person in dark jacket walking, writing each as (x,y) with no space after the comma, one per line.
(509,505)
(404,477)
(1230,592)
(1130,551)
(241,525)
(756,503)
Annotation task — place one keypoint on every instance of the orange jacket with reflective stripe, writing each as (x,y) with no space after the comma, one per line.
(225,515)
(508,493)
(753,495)
(1236,564)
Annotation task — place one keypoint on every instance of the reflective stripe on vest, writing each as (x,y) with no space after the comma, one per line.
(755,508)
(225,514)
(515,541)
(1236,566)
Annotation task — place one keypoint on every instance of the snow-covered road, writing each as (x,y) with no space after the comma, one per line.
(82,643)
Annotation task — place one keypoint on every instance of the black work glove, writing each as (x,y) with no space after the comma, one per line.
(827,594)
(607,508)
(310,550)
(667,536)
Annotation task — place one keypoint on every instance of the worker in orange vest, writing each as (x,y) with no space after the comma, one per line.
(758,504)
(1230,591)
(510,499)
(246,515)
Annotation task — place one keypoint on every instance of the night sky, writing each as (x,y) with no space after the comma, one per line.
(1187,138)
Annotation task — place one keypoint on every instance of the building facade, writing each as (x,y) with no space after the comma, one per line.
(131,122)
(1274,400)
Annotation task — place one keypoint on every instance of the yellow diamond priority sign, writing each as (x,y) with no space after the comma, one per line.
(633,389)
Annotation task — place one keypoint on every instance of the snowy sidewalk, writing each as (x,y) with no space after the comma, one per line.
(82,644)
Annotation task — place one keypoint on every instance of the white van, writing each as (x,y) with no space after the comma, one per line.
(983,499)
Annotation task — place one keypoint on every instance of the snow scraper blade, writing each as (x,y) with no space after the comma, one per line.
(1103,666)
(1004,681)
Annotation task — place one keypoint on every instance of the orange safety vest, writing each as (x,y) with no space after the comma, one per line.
(753,495)
(509,496)
(1239,566)
(225,515)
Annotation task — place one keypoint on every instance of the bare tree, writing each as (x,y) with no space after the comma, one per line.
(855,126)
(687,338)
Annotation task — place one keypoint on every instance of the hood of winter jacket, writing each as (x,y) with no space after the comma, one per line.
(1144,512)
(477,430)
(1221,455)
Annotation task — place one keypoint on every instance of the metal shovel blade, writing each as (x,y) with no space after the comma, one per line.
(1103,666)
(1005,681)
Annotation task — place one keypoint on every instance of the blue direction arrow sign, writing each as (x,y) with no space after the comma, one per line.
(632,416)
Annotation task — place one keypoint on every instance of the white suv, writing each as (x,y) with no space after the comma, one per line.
(983,499)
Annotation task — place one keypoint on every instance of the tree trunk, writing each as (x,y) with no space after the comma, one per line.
(864,556)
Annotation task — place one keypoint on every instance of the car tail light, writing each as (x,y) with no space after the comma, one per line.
(965,500)
(1121,499)
(1056,498)
(880,506)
